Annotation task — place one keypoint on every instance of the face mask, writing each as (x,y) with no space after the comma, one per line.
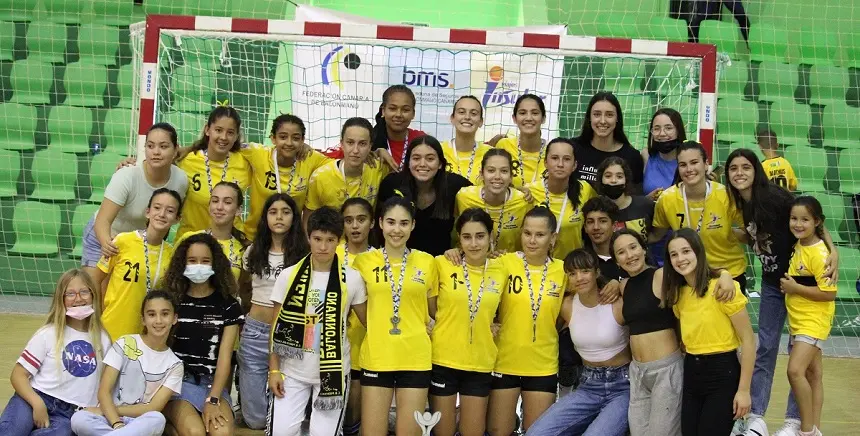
(198,273)
(80,312)
(612,191)
(666,146)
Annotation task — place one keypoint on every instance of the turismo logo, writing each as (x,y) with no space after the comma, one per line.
(333,61)
(428,79)
(501,93)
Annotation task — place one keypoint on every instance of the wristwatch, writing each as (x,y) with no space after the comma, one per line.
(213,401)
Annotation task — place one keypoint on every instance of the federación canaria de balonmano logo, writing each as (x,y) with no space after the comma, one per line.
(334,60)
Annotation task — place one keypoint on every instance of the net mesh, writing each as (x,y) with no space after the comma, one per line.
(68,86)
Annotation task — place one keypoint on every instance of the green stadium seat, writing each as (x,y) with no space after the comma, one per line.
(54,175)
(814,46)
(124,86)
(65,11)
(46,42)
(113,13)
(637,110)
(670,77)
(790,121)
(737,121)
(810,167)
(85,84)
(726,36)
(69,128)
(193,89)
(10,170)
(834,207)
(776,81)
(210,8)
(852,50)
(261,9)
(18,10)
(37,229)
(83,214)
(734,79)
(166,7)
(7,41)
(98,44)
(101,169)
(188,126)
(623,75)
(827,85)
(618,25)
(768,43)
(841,126)
(667,29)
(31,82)
(117,130)
(849,170)
(18,127)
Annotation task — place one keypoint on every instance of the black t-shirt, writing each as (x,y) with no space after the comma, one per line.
(772,241)
(589,158)
(638,215)
(197,335)
(431,235)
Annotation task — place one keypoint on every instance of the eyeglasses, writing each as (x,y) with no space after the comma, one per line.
(83,293)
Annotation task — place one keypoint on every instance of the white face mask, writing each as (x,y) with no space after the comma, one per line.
(198,273)
(80,312)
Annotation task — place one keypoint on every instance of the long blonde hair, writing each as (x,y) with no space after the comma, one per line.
(57,314)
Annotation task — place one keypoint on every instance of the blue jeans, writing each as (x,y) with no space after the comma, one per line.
(89,424)
(17,418)
(253,358)
(598,407)
(771,319)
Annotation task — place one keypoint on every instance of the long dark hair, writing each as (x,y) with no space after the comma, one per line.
(573,185)
(441,208)
(677,121)
(216,114)
(380,133)
(768,201)
(240,199)
(294,246)
(223,281)
(587,133)
(538,100)
(813,206)
(690,145)
(582,258)
(673,281)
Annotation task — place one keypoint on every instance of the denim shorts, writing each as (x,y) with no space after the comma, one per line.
(815,342)
(196,391)
(92,248)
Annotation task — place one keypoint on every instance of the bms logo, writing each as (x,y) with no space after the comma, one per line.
(332,62)
(501,93)
(426,78)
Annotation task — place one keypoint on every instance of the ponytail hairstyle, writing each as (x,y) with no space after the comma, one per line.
(380,133)
(216,114)
(287,119)
(170,192)
(159,294)
(294,246)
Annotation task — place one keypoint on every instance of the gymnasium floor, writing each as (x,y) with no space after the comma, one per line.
(841,381)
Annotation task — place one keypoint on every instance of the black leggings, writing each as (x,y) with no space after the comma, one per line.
(710,384)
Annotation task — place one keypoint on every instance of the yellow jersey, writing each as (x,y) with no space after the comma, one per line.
(128,276)
(528,167)
(529,347)
(328,187)
(458,342)
(507,218)
(409,350)
(570,220)
(779,171)
(706,327)
(355,330)
(465,163)
(195,210)
(233,249)
(807,317)
(264,181)
(713,218)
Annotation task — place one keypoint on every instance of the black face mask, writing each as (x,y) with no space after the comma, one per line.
(612,191)
(666,146)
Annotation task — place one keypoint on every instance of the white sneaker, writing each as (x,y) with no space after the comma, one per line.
(740,427)
(789,428)
(756,426)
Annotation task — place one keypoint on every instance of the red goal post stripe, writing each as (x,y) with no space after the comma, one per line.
(155,23)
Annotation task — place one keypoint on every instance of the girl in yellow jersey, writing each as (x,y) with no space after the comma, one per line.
(464,354)
(810,300)
(716,386)
(349,177)
(527,363)
(464,153)
(703,206)
(564,197)
(215,159)
(506,205)
(528,148)
(395,353)
(225,202)
(278,169)
(141,260)
(357,222)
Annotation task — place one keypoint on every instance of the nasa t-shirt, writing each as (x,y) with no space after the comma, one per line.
(73,376)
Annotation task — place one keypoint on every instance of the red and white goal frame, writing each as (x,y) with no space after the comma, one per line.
(297,31)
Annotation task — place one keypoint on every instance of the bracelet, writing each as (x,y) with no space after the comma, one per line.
(275,371)
(114,424)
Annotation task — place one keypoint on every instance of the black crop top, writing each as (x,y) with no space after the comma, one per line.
(641,309)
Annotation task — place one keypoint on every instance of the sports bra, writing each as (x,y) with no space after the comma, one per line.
(596,334)
(641,309)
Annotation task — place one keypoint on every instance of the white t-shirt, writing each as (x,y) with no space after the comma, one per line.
(128,188)
(308,368)
(74,375)
(142,370)
(261,287)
